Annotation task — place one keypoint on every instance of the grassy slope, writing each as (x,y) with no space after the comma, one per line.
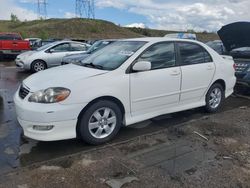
(67,28)
(83,29)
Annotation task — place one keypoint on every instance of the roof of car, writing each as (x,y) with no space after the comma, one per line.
(65,41)
(158,39)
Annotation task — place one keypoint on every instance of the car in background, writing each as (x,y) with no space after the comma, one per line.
(49,55)
(34,42)
(218,46)
(12,44)
(124,83)
(236,39)
(77,58)
(190,36)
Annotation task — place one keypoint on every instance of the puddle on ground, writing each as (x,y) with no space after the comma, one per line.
(27,146)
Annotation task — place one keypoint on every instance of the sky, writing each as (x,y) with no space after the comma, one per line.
(182,15)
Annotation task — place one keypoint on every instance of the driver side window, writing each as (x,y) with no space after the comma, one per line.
(161,55)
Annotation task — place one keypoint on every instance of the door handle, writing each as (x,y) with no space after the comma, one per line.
(175,73)
(210,67)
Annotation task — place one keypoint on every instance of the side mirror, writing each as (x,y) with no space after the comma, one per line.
(142,66)
(51,50)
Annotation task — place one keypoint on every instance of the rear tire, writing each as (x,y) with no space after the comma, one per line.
(38,65)
(100,122)
(1,56)
(214,98)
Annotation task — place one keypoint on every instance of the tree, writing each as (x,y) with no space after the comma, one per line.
(14,18)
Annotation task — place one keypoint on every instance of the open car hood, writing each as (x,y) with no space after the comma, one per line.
(235,35)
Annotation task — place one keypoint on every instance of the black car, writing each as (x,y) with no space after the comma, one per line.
(236,41)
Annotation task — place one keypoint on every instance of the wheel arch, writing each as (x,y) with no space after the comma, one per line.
(221,82)
(108,98)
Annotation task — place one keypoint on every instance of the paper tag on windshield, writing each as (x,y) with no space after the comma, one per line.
(126,53)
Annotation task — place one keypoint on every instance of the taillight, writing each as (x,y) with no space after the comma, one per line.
(234,66)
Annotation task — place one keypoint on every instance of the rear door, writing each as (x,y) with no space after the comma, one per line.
(159,87)
(197,69)
(76,48)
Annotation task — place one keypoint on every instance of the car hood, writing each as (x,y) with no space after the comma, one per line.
(26,54)
(62,76)
(235,35)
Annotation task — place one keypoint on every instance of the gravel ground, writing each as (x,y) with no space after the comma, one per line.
(217,154)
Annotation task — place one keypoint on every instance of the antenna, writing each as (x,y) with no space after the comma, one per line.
(42,9)
(85,8)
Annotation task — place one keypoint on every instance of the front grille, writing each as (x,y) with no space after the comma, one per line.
(23,92)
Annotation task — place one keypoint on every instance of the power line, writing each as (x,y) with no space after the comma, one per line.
(41,9)
(85,8)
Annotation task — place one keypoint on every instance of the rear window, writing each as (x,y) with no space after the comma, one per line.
(191,53)
(10,37)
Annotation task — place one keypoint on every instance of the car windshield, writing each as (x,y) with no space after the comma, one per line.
(112,56)
(98,45)
(45,46)
(10,37)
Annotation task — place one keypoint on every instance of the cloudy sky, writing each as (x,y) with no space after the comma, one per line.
(200,15)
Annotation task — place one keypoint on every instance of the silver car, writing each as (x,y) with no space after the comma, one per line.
(49,55)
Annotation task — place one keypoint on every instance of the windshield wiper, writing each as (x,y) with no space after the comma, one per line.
(92,65)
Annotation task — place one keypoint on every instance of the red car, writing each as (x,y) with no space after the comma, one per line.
(12,44)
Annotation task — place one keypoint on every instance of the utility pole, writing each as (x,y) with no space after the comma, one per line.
(42,9)
(85,8)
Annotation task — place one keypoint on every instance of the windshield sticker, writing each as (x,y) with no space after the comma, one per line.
(126,53)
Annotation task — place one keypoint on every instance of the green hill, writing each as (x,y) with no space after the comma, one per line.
(77,28)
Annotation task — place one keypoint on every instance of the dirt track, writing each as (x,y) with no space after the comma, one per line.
(173,157)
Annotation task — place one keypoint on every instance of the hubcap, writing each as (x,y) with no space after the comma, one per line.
(39,66)
(215,98)
(102,123)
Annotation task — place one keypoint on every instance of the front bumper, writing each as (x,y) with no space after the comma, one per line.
(63,118)
(19,64)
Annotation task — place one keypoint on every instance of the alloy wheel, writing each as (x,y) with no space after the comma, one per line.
(102,123)
(39,66)
(215,98)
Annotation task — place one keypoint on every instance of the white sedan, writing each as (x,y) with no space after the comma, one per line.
(49,55)
(124,83)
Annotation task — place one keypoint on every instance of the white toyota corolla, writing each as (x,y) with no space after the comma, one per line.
(124,83)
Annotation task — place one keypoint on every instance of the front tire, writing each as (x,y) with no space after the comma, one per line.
(38,65)
(100,122)
(214,98)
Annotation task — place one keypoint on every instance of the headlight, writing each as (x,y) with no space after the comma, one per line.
(50,95)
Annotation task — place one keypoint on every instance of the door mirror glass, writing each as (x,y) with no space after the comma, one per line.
(142,66)
(52,50)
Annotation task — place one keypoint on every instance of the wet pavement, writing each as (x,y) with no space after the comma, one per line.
(16,151)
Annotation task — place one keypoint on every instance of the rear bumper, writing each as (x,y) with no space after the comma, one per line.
(13,52)
(243,79)
(245,83)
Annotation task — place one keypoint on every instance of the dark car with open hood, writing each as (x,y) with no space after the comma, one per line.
(236,40)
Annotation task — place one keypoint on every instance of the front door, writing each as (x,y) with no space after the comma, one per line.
(159,87)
